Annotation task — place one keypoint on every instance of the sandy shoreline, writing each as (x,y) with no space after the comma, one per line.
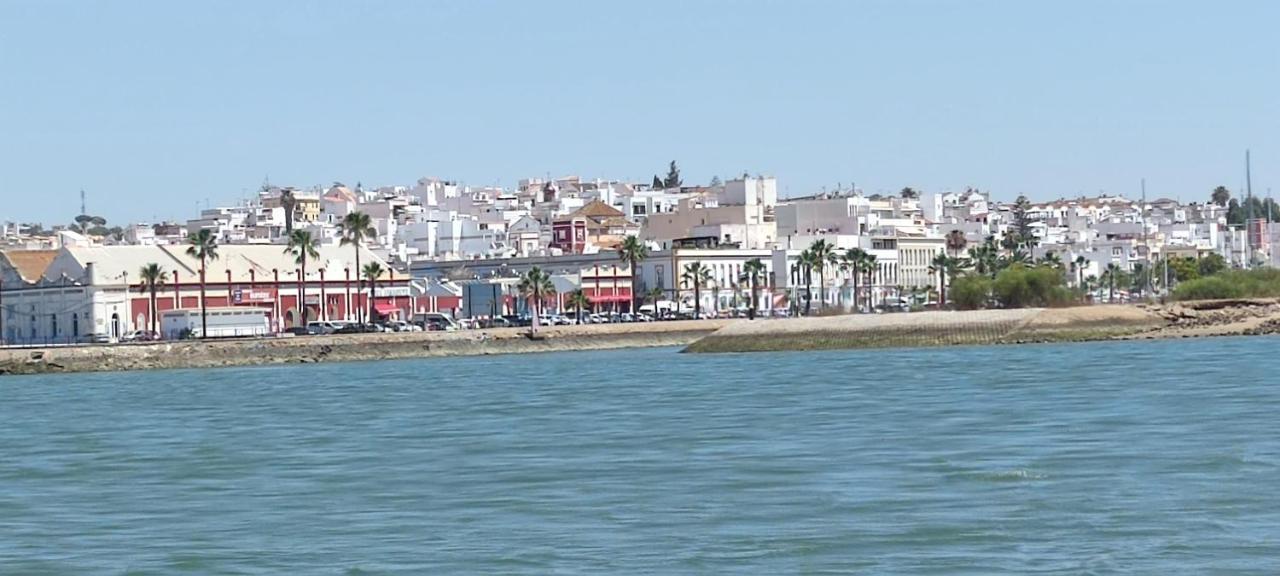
(348,348)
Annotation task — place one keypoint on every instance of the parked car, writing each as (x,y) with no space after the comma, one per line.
(140,336)
(309,330)
(95,339)
(358,329)
(435,321)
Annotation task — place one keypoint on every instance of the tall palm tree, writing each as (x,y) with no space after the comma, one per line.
(754,270)
(804,270)
(867,265)
(152,280)
(852,262)
(633,251)
(302,246)
(535,285)
(1079,263)
(1109,277)
(940,265)
(203,245)
(696,275)
(356,227)
(578,299)
(372,272)
(956,242)
(288,202)
(823,254)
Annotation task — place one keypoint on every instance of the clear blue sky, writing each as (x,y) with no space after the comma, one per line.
(154,107)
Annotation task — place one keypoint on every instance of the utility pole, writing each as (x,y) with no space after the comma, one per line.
(1248,219)
(1146,240)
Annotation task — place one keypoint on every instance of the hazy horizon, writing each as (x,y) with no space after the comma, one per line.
(154,108)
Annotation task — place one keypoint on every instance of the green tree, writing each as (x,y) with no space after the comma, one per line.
(288,202)
(823,253)
(673,176)
(908,193)
(1211,264)
(1022,219)
(204,246)
(153,277)
(579,301)
(1020,286)
(655,295)
(1184,268)
(1220,196)
(943,267)
(535,286)
(633,251)
(716,182)
(697,276)
(956,242)
(356,228)
(970,291)
(1079,265)
(851,262)
(371,272)
(303,247)
(754,269)
(657,183)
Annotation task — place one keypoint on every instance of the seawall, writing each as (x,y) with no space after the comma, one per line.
(350,348)
(933,329)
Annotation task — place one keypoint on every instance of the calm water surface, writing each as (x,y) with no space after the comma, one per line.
(1150,458)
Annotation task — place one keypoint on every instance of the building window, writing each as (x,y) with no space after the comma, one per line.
(53,325)
(75,325)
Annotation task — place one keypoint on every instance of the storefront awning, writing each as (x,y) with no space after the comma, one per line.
(609,298)
(385,309)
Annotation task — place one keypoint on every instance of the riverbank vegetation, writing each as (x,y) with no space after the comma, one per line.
(1226,284)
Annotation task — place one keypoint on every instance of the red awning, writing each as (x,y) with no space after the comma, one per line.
(385,309)
(609,298)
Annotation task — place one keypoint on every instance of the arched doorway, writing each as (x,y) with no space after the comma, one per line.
(115,325)
(291,319)
(75,325)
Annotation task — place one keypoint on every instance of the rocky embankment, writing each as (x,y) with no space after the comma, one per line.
(1207,318)
(1084,323)
(349,348)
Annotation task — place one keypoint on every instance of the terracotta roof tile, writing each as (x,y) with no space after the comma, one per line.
(30,264)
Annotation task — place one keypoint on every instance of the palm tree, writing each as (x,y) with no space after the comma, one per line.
(578,299)
(823,254)
(956,242)
(633,251)
(867,265)
(852,262)
(655,295)
(1051,260)
(203,245)
(288,202)
(356,227)
(152,280)
(804,269)
(535,285)
(941,266)
(371,272)
(754,270)
(1079,263)
(302,246)
(696,275)
(1109,277)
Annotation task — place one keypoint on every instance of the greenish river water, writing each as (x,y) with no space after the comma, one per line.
(1145,458)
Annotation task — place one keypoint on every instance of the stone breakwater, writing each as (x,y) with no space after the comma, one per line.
(349,348)
(935,329)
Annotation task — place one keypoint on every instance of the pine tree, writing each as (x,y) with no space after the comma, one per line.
(657,183)
(673,176)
